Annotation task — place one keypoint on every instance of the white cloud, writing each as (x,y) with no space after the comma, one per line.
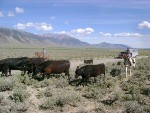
(127,35)
(39,26)
(19,10)
(29,24)
(105,34)
(83,31)
(20,26)
(63,32)
(144,25)
(1,14)
(11,13)
(43,26)
(121,34)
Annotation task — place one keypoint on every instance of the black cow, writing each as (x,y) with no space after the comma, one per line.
(88,61)
(88,71)
(33,63)
(13,64)
(53,67)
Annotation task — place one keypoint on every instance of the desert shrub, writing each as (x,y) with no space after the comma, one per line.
(47,104)
(1,98)
(145,90)
(133,107)
(115,72)
(61,82)
(95,92)
(6,84)
(48,93)
(131,97)
(130,88)
(119,63)
(45,93)
(60,99)
(127,97)
(110,83)
(146,108)
(22,107)
(8,106)
(23,79)
(143,64)
(18,95)
(44,83)
(5,109)
(121,76)
(14,108)
(143,100)
(138,74)
(110,100)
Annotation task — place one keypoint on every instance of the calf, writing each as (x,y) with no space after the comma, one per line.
(88,71)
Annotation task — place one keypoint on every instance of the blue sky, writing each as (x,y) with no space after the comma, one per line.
(93,21)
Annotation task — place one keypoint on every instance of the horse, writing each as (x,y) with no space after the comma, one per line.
(129,62)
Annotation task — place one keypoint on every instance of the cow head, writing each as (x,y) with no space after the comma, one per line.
(37,70)
(78,72)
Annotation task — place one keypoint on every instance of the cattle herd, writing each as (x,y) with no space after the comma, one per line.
(36,66)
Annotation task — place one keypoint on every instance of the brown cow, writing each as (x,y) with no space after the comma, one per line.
(53,67)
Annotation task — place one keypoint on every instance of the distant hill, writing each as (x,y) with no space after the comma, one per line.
(109,45)
(11,37)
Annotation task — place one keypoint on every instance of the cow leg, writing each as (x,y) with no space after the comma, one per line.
(29,74)
(23,72)
(67,73)
(69,77)
(94,79)
(2,74)
(81,81)
(86,81)
(10,72)
(6,73)
(43,76)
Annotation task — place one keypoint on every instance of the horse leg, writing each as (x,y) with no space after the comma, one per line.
(130,71)
(126,71)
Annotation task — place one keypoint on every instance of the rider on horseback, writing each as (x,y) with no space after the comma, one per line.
(129,55)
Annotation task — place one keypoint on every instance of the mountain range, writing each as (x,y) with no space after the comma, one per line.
(11,37)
